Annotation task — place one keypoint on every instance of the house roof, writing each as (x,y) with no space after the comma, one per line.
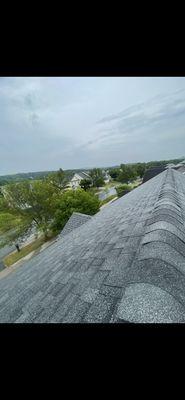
(83,175)
(76,220)
(170,165)
(179,167)
(127,263)
(151,172)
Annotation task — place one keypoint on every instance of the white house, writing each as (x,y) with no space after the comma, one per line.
(77,178)
(106,176)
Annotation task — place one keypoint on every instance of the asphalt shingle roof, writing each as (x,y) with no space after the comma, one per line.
(152,172)
(76,220)
(84,175)
(127,263)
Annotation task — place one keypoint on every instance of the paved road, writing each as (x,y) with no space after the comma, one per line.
(109,192)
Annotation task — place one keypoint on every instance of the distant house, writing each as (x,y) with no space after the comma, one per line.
(170,165)
(180,167)
(77,178)
(106,176)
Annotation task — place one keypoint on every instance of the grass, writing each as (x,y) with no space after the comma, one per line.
(16,256)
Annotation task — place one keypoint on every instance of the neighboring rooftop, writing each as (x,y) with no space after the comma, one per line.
(126,263)
(153,171)
(83,175)
(180,167)
(76,220)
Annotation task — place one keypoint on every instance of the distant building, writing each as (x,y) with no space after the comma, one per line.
(106,176)
(76,220)
(170,165)
(180,167)
(77,178)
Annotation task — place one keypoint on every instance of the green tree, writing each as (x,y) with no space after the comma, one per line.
(114,173)
(99,182)
(74,201)
(33,202)
(127,173)
(12,226)
(85,184)
(140,168)
(97,177)
(57,179)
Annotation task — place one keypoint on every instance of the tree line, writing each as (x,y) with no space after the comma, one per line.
(129,172)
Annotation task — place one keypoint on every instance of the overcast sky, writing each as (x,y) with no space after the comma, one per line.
(48,123)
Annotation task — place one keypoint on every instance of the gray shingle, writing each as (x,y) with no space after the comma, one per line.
(101,310)
(89,295)
(164,252)
(76,313)
(146,303)
(76,220)
(111,291)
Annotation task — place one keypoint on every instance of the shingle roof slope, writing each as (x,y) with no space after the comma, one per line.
(127,263)
(83,175)
(76,220)
(181,168)
(152,172)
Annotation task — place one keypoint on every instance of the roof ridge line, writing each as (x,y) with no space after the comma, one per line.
(166,178)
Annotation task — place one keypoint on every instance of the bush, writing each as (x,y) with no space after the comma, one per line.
(99,182)
(122,190)
(114,173)
(97,177)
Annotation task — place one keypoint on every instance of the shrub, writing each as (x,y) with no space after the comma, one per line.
(122,190)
